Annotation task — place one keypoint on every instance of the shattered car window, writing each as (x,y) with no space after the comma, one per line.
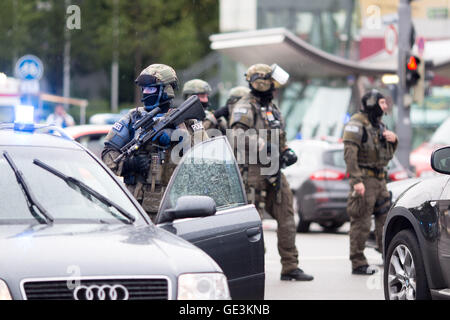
(209,169)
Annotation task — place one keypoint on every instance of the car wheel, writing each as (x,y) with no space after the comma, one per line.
(404,271)
(331,226)
(302,226)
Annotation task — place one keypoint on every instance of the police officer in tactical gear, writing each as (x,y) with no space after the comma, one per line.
(269,193)
(202,90)
(147,173)
(368,148)
(223,113)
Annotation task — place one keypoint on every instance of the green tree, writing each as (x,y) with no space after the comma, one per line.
(173,32)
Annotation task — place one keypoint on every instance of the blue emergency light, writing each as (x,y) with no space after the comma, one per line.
(24,118)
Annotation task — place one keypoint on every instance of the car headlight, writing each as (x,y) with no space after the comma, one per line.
(4,291)
(203,286)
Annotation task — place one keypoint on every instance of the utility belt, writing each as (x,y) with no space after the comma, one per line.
(373,172)
(153,176)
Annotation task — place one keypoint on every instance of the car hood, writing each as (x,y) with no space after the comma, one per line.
(92,250)
(398,187)
(425,190)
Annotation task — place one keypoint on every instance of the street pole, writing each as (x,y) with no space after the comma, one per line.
(115,62)
(404,129)
(66,61)
(14,35)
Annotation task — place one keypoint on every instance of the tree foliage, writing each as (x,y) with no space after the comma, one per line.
(173,32)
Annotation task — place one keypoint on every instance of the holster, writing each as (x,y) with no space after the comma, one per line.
(275,182)
(155,173)
(383,205)
(129,179)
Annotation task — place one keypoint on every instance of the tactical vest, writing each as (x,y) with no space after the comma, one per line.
(374,151)
(149,188)
(250,114)
(210,121)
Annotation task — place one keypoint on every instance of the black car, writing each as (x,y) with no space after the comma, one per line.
(320,184)
(69,229)
(416,238)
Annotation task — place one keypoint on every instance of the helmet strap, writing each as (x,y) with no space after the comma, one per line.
(154,105)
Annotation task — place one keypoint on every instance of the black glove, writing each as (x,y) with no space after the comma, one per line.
(222,112)
(136,164)
(288,158)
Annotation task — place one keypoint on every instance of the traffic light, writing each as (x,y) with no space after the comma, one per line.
(412,71)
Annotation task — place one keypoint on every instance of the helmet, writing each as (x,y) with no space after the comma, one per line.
(196,86)
(260,77)
(159,75)
(238,92)
(370,100)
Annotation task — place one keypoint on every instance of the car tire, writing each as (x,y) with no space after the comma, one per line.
(401,282)
(331,226)
(303,226)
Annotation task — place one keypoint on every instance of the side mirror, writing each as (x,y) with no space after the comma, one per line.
(440,160)
(189,207)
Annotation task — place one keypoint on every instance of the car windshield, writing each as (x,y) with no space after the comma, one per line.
(54,194)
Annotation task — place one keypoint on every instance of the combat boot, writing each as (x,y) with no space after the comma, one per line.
(364,270)
(296,275)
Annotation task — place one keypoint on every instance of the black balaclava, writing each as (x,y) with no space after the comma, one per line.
(265,97)
(157,98)
(371,106)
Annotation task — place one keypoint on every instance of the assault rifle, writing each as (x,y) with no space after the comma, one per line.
(148,127)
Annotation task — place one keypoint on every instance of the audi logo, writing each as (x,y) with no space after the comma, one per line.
(103,292)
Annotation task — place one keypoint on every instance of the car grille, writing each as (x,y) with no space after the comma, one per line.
(135,289)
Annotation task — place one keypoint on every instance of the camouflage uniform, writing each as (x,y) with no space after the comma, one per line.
(148,187)
(250,112)
(366,155)
(223,114)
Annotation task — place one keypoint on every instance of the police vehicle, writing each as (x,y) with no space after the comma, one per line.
(69,229)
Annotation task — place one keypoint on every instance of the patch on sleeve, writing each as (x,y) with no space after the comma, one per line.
(117,126)
(197,126)
(351,128)
(240,110)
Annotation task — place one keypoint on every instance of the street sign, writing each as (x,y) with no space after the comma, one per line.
(29,87)
(390,39)
(29,67)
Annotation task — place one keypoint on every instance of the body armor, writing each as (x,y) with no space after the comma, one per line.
(147,188)
(373,151)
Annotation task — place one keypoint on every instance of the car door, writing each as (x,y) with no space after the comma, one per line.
(233,236)
(443,233)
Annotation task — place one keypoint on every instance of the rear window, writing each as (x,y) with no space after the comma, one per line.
(308,155)
(334,158)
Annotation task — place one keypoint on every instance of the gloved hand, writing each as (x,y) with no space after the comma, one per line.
(288,158)
(164,137)
(137,164)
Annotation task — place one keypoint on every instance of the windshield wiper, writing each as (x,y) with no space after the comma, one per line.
(84,189)
(29,196)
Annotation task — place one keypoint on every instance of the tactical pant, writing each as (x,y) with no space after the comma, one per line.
(148,199)
(279,205)
(376,201)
